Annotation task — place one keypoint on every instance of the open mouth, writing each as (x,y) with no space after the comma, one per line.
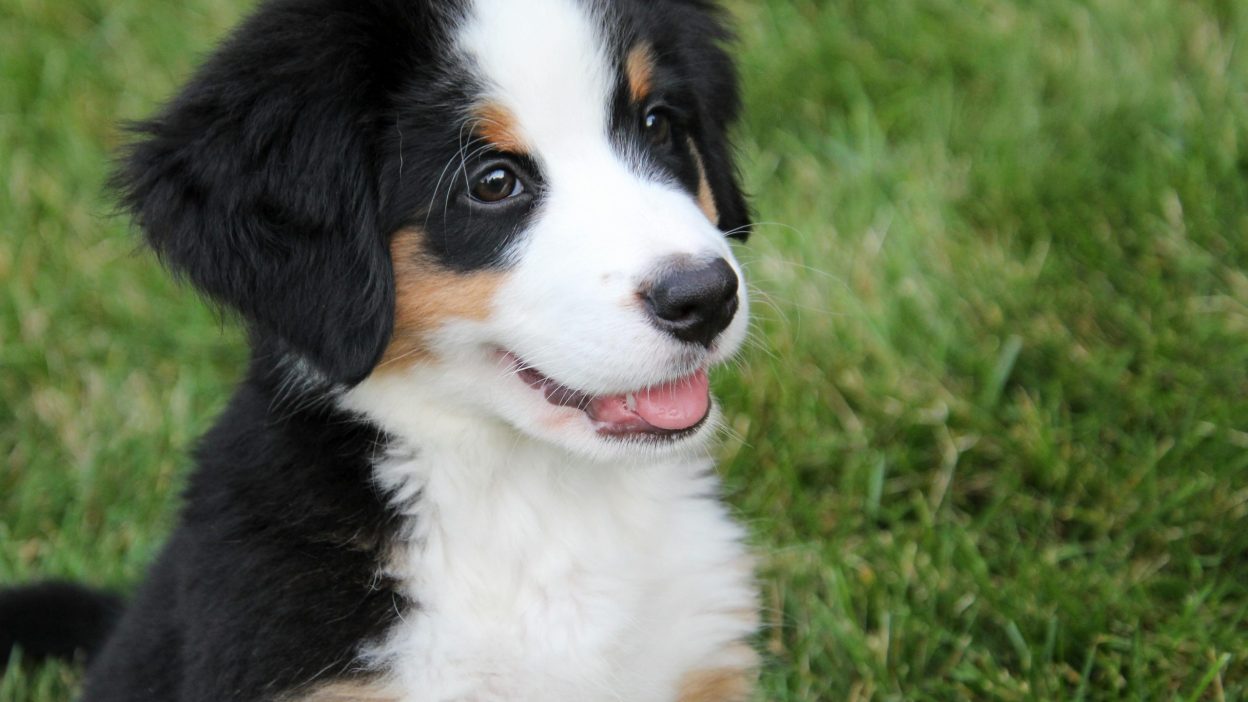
(668,411)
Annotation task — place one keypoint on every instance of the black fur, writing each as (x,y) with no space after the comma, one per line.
(271,577)
(259,182)
(55,620)
(273,183)
(696,75)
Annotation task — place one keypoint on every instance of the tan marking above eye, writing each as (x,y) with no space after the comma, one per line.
(706,198)
(639,69)
(427,295)
(497,125)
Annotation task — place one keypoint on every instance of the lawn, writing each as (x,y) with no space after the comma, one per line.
(991,434)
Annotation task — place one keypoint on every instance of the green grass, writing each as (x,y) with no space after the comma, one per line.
(991,436)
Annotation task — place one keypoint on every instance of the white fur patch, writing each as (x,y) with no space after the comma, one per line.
(570,306)
(540,579)
(548,562)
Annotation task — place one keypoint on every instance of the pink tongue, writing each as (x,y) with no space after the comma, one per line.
(677,405)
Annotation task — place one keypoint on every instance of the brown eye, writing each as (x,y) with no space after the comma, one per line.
(658,128)
(496,185)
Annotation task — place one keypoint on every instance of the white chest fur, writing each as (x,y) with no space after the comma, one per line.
(539,579)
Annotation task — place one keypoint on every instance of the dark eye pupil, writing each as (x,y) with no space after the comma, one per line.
(496,185)
(658,128)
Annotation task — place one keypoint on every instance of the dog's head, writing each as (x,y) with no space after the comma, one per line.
(520,208)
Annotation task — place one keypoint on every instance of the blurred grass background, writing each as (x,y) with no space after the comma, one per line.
(992,435)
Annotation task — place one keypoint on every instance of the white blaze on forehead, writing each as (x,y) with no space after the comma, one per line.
(545,61)
(607,221)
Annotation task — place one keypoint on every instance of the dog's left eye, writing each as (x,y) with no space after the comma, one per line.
(658,127)
(496,185)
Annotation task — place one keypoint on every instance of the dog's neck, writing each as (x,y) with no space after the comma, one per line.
(537,573)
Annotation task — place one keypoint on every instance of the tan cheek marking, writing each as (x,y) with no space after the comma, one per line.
(720,685)
(428,295)
(347,692)
(497,125)
(706,199)
(639,68)
(734,682)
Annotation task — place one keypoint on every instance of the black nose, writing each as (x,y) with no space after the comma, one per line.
(694,303)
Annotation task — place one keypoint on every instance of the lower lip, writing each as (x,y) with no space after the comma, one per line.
(652,433)
(559,396)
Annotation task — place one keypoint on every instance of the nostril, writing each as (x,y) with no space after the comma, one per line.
(681,312)
(694,304)
(672,304)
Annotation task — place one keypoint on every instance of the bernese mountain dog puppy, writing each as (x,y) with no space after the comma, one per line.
(481,248)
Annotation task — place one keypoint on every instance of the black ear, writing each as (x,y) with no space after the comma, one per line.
(258,183)
(703,35)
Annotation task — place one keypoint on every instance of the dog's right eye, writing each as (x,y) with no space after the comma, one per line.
(496,185)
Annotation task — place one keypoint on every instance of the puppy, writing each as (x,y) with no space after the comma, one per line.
(481,248)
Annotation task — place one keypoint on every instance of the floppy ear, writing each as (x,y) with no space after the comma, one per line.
(258,184)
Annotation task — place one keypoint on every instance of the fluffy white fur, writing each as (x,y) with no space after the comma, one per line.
(550,563)
(539,578)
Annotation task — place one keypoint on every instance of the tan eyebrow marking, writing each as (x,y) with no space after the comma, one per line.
(639,69)
(497,125)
